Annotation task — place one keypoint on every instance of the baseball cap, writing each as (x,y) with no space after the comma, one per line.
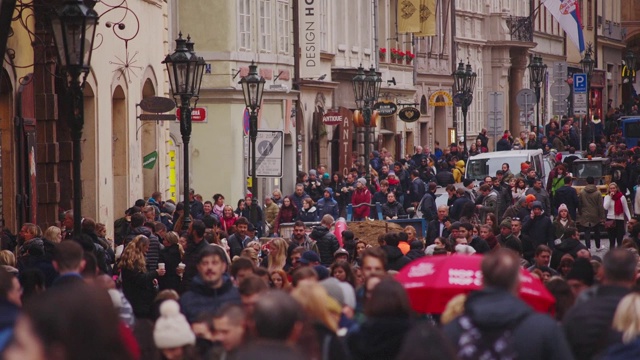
(309,257)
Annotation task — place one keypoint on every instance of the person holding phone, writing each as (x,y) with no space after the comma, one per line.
(439,227)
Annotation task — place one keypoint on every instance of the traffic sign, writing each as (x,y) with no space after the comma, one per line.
(560,107)
(579,83)
(269,150)
(580,104)
(525,99)
(560,90)
(560,70)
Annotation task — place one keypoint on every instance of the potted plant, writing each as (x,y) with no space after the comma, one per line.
(401,55)
(395,55)
(409,56)
(382,54)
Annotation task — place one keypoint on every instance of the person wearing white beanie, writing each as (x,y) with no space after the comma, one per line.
(172,333)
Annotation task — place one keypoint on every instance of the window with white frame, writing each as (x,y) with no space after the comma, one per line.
(244,24)
(264,11)
(284,26)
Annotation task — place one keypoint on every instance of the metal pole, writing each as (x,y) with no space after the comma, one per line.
(185,131)
(253,134)
(366,112)
(537,107)
(464,119)
(76,124)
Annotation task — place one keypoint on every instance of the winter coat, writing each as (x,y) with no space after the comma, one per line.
(559,228)
(416,190)
(569,196)
(433,231)
(202,298)
(543,196)
(428,207)
(170,256)
(236,244)
(287,214)
(503,144)
(314,190)
(444,177)
(191,261)
(396,260)
(270,214)
(567,246)
(609,206)
(516,210)
(535,336)
(378,338)
(332,347)
(154,246)
(539,229)
(392,209)
(489,204)
(328,206)
(297,200)
(587,325)
(227,223)
(327,244)
(630,350)
(456,207)
(361,196)
(138,288)
(458,171)
(308,215)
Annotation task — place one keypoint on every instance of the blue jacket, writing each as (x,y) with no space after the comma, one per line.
(328,206)
(201,298)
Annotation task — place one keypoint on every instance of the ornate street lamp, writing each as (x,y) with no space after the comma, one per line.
(537,72)
(74,26)
(6,14)
(464,82)
(587,63)
(252,89)
(629,74)
(366,89)
(185,70)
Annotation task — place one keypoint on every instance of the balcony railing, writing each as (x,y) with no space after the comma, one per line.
(521,28)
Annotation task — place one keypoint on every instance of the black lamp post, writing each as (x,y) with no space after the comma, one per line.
(185,71)
(464,82)
(252,89)
(366,89)
(537,71)
(74,27)
(6,15)
(629,74)
(588,63)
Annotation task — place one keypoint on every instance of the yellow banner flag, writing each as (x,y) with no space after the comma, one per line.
(427,18)
(409,16)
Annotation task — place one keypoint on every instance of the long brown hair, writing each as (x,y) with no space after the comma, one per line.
(133,256)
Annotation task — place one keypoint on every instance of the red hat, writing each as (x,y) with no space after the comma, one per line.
(530,198)
(524,166)
(558,157)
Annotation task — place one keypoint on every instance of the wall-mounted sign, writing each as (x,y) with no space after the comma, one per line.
(435,101)
(332,118)
(198,115)
(409,114)
(386,108)
(157,104)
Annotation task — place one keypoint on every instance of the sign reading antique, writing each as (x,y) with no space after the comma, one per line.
(409,114)
(346,141)
(441,98)
(332,118)
(386,108)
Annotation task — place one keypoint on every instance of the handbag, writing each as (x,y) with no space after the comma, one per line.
(609,224)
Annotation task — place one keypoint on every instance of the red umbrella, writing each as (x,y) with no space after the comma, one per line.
(433,280)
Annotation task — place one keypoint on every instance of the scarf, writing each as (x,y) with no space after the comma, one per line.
(617,203)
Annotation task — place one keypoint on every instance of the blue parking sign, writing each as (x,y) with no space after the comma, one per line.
(579,83)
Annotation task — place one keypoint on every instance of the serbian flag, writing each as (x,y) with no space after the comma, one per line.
(567,13)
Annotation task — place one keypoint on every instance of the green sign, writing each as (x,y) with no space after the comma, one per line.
(149,160)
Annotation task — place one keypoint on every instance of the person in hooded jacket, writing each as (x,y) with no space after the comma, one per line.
(496,308)
(325,240)
(458,171)
(361,196)
(395,259)
(328,205)
(590,212)
(388,319)
(569,244)
(416,250)
(567,195)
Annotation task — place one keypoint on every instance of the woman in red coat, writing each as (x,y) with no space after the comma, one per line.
(228,218)
(361,195)
(287,214)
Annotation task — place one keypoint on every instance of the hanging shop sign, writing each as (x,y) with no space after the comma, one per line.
(386,108)
(435,101)
(332,117)
(409,114)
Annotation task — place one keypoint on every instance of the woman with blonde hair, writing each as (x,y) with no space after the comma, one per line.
(617,209)
(627,321)
(277,258)
(53,234)
(251,254)
(138,284)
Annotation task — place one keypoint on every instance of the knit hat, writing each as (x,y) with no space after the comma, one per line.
(467,182)
(562,207)
(348,293)
(362,181)
(172,329)
(536,204)
(332,285)
(506,223)
(530,198)
(325,176)
(524,166)
(582,270)
(313,172)
(558,157)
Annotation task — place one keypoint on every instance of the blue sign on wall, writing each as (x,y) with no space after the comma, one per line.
(579,83)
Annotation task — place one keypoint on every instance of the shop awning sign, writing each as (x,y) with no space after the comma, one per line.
(435,101)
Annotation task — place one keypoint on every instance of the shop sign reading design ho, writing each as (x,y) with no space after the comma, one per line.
(385,108)
(409,114)
(448,99)
(332,118)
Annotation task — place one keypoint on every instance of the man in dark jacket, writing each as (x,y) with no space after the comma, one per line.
(458,203)
(538,226)
(298,196)
(444,177)
(211,287)
(567,195)
(496,309)
(504,144)
(328,205)
(439,227)
(327,242)
(195,245)
(416,189)
(428,203)
(587,325)
(237,240)
(395,259)
(570,244)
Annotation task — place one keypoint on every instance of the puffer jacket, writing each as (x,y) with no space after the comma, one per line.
(396,260)
(153,254)
(567,246)
(309,215)
(328,206)
(201,298)
(458,171)
(392,209)
(138,287)
(327,244)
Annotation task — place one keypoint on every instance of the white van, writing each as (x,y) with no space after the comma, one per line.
(486,164)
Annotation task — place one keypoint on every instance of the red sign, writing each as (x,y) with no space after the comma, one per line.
(198,115)
(332,118)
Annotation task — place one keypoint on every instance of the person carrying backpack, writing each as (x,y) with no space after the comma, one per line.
(496,324)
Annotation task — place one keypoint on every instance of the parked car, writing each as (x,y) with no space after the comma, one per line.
(486,164)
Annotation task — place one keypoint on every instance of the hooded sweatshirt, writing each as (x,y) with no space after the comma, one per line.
(458,171)
(328,206)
